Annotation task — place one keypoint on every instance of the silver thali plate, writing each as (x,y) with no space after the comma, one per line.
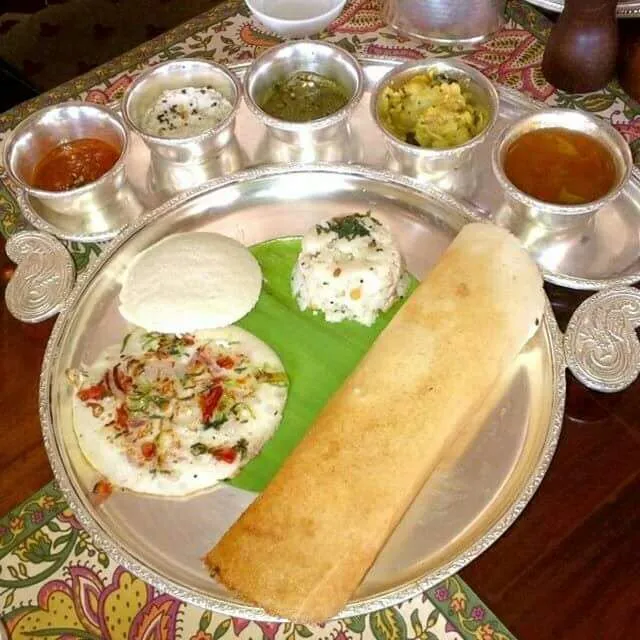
(626,8)
(476,494)
(604,252)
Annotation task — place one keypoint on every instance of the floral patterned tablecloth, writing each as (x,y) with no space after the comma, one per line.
(54,583)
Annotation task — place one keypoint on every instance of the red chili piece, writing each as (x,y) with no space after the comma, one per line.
(209,401)
(224,454)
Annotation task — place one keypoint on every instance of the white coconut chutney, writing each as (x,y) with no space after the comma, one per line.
(185,112)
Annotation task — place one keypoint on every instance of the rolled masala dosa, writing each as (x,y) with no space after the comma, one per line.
(303,546)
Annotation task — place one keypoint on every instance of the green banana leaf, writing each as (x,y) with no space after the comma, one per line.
(317,355)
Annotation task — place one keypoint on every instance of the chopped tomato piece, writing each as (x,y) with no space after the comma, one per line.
(95,392)
(224,454)
(209,401)
(102,489)
(122,417)
(148,450)
(225,362)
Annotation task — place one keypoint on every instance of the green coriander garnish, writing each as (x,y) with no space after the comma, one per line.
(217,422)
(348,227)
(241,448)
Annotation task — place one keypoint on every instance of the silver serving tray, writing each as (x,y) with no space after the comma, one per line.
(476,494)
(604,252)
(626,8)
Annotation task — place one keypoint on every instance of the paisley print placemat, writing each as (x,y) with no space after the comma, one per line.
(56,584)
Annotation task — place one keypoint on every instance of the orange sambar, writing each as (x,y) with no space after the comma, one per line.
(560,166)
(73,164)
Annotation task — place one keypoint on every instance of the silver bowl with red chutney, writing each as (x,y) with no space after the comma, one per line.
(69,157)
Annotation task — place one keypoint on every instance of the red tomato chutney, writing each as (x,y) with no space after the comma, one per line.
(73,164)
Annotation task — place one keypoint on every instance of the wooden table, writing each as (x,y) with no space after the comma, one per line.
(568,568)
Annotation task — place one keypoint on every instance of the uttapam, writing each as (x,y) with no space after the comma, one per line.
(172,415)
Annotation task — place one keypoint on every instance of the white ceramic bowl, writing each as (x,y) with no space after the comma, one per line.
(296,18)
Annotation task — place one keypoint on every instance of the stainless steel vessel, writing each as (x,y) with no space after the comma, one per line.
(310,55)
(445,21)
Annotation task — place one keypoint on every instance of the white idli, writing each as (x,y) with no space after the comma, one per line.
(190,281)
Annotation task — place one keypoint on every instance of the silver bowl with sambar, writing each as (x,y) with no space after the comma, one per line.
(434,114)
(304,91)
(558,167)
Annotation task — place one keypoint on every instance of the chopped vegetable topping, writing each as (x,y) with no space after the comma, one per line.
(209,401)
(224,454)
(165,386)
(94,392)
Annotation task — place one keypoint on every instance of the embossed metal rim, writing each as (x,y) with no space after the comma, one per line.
(34,218)
(577,358)
(61,276)
(366,605)
(625,10)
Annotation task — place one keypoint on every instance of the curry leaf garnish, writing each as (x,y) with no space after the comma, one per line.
(198,449)
(241,448)
(348,227)
(217,422)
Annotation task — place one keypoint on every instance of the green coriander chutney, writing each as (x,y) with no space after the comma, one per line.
(304,96)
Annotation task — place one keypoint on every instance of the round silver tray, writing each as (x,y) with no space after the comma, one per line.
(477,492)
(626,8)
(604,252)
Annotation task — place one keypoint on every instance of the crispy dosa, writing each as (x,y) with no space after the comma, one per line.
(303,546)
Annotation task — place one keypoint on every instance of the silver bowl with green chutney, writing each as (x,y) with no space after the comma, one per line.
(304,91)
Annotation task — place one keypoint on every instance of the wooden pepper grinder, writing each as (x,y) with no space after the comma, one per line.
(629,58)
(582,49)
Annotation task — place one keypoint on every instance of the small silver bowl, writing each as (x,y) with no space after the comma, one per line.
(177,74)
(44,130)
(558,216)
(304,55)
(414,160)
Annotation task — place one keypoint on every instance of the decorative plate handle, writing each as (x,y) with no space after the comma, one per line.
(43,279)
(601,346)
